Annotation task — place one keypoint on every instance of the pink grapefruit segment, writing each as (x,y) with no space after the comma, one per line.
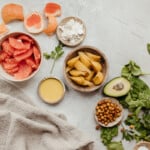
(3,56)
(19,52)
(19,56)
(25,38)
(13,70)
(36,54)
(23,56)
(7,48)
(15,43)
(9,65)
(24,71)
(31,62)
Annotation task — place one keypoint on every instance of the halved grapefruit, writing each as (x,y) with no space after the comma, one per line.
(53,9)
(34,23)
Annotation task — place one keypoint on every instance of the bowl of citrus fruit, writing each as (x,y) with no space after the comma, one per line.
(20,56)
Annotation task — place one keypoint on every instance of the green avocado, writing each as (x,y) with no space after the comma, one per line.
(117,87)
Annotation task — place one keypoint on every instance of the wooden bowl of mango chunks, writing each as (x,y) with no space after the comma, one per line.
(85,68)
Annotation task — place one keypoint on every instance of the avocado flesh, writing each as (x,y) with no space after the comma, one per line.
(117,87)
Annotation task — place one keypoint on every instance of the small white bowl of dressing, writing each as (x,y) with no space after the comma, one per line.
(142,145)
(51,90)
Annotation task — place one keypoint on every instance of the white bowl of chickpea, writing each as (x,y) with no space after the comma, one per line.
(108,112)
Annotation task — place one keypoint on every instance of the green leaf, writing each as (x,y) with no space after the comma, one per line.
(58,48)
(115,146)
(139,95)
(146,120)
(46,55)
(131,69)
(127,135)
(107,134)
(148,48)
(133,120)
(55,54)
(59,54)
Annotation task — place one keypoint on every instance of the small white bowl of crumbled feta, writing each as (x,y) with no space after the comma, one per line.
(142,145)
(71,31)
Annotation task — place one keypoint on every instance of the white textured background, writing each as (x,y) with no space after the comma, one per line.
(120,28)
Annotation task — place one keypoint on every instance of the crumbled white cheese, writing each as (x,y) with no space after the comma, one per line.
(143,148)
(71,31)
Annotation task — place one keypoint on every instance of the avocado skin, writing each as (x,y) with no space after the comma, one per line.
(125,92)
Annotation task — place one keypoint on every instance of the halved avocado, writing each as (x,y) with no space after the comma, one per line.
(117,87)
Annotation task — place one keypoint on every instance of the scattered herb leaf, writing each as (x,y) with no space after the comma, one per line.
(115,146)
(107,134)
(131,69)
(127,135)
(138,96)
(55,54)
(148,48)
(146,120)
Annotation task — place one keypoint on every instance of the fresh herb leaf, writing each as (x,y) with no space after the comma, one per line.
(127,135)
(46,55)
(131,69)
(141,124)
(148,48)
(133,120)
(107,134)
(115,146)
(146,119)
(123,102)
(55,54)
(139,95)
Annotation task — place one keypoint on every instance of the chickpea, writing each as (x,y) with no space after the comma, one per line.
(97,127)
(132,126)
(107,111)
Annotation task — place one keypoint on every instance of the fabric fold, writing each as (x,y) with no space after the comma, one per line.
(23,126)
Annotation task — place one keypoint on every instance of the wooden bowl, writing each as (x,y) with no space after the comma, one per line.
(3,72)
(68,42)
(117,120)
(142,143)
(103,61)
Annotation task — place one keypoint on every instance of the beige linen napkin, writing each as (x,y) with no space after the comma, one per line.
(23,126)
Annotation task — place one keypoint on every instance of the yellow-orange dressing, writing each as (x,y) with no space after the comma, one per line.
(51,90)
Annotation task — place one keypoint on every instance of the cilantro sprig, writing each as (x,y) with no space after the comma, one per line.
(55,54)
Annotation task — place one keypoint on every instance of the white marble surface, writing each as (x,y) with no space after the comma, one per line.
(120,28)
